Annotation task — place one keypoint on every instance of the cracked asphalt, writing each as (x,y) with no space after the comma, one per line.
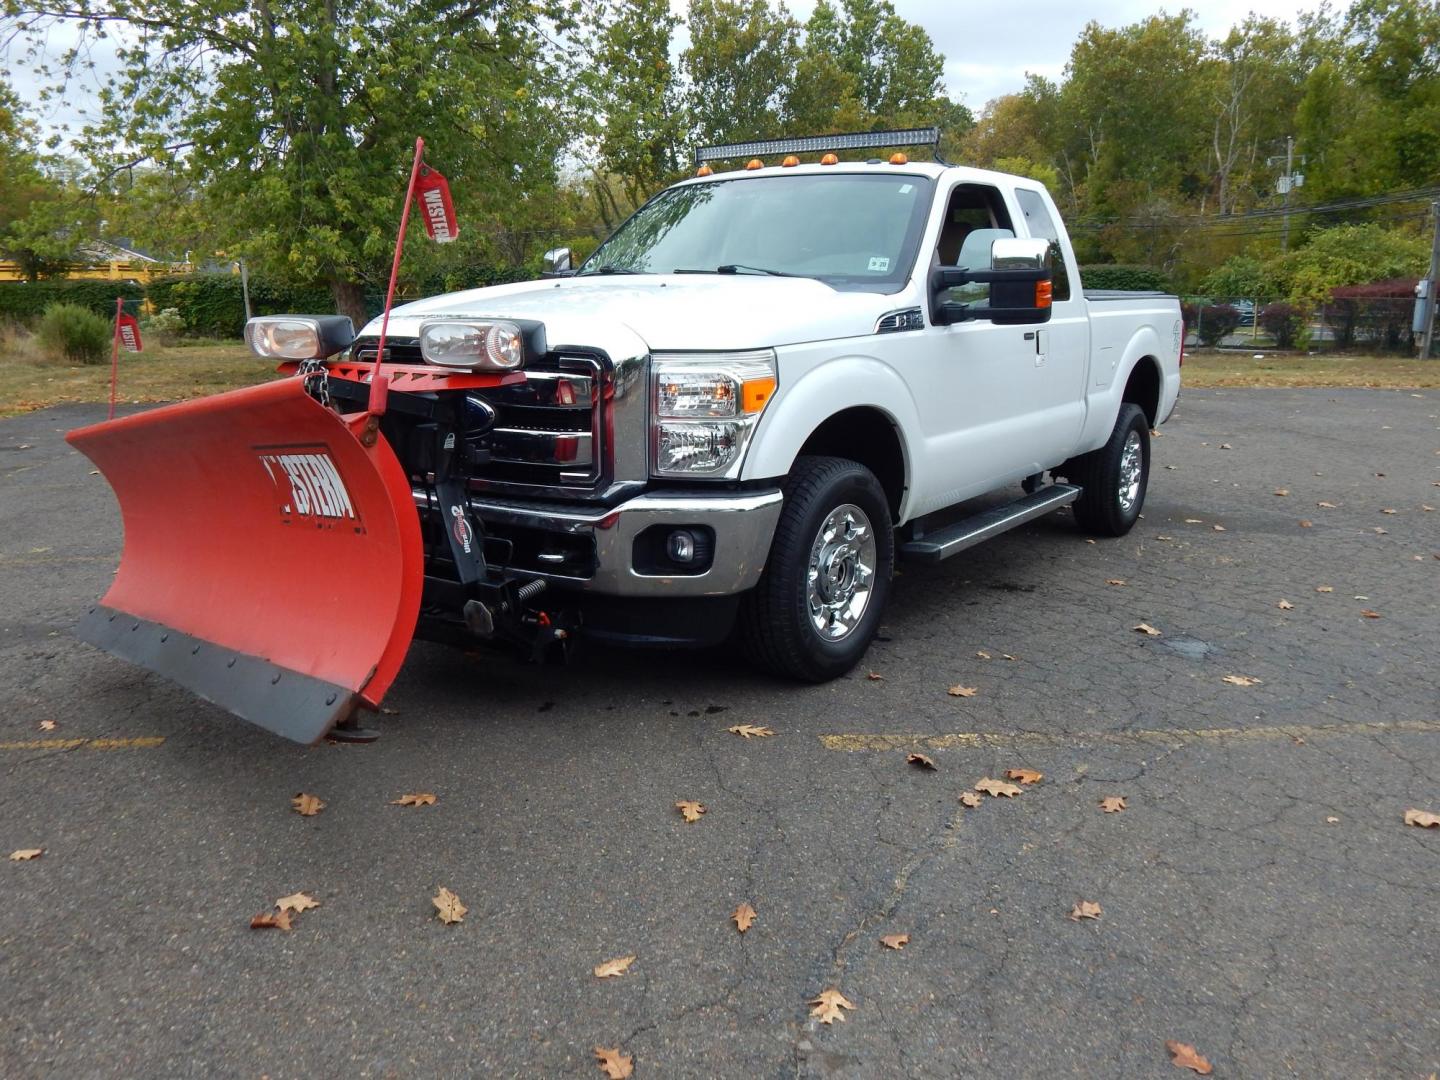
(1262,898)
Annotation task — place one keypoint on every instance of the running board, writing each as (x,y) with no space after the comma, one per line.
(975,530)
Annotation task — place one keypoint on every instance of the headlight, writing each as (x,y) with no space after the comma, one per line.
(475,346)
(705,407)
(298,337)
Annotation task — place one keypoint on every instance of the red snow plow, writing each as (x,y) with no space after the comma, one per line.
(280,540)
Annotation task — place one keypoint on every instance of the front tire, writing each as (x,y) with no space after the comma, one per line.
(825,585)
(1115,477)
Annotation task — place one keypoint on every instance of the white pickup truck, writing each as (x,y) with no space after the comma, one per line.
(769,383)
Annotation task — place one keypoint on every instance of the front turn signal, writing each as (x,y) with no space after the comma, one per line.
(754,393)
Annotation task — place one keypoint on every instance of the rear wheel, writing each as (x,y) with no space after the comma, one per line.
(821,597)
(1113,478)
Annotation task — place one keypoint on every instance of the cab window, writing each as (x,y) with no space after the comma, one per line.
(975,217)
(1041,225)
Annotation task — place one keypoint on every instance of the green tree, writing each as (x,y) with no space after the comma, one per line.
(741,54)
(296,118)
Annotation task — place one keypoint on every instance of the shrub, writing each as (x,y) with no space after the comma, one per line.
(25,303)
(74,334)
(1283,322)
(1243,276)
(1213,322)
(164,327)
(1376,315)
(1119,276)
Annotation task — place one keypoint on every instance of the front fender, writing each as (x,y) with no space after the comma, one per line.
(824,389)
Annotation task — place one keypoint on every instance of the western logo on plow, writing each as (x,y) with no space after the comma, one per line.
(460,526)
(308,486)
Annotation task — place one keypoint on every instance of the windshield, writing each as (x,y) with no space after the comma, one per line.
(854,231)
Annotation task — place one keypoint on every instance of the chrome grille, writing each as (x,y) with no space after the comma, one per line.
(547,431)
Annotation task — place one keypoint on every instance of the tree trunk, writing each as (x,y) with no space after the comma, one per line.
(349,300)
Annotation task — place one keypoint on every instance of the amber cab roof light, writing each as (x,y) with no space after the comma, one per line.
(829,159)
(704,170)
(754,163)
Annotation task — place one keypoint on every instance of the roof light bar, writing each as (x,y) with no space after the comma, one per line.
(809,144)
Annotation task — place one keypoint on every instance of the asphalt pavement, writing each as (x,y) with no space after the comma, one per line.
(1261,896)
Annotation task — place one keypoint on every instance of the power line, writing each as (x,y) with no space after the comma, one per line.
(1338,206)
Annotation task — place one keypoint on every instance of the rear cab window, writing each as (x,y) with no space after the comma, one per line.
(1041,225)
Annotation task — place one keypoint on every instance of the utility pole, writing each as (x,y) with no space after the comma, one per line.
(1286,184)
(1427,339)
(1289,183)
(245,287)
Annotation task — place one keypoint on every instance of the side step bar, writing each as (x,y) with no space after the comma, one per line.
(975,530)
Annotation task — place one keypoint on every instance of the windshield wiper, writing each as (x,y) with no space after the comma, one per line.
(609,268)
(736,268)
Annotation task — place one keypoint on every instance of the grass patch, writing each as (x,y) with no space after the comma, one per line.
(29,380)
(1212,369)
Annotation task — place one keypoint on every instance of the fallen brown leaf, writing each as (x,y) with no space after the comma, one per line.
(1164,538)
(1146,629)
(875,676)
(963,691)
(1306,524)
(1282,491)
(1420,818)
(970,798)
(749,731)
(307,805)
(1185,1056)
(1239,680)
(271,920)
(1113,804)
(689,810)
(1389,511)
(1285,605)
(744,917)
(297,902)
(611,968)
(895,941)
(1114,581)
(921,761)
(1194,521)
(418,798)
(983,655)
(1326,505)
(1025,776)
(1367,613)
(1007,656)
(448,906)
(996,788)
(26,854)
(1324,588)
(1085,909)
(1226,446)
(1380,532)
(613,1063)
(47,725)
(828,1004)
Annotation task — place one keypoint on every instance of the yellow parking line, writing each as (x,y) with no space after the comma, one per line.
(981,739)
(148,742)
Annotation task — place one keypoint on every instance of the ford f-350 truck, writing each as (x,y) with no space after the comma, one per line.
(762,389)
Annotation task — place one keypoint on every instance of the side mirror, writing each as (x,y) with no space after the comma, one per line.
(1019,280)
(1020,254)
(556,263)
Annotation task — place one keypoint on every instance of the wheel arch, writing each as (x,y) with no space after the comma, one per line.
(869,437)
(1143,387)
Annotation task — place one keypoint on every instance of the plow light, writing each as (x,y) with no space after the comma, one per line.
(476,346)
(299,337)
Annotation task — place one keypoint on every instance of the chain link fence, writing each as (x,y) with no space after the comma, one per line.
(1352,321)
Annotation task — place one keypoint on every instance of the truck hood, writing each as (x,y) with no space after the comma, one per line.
(667,311)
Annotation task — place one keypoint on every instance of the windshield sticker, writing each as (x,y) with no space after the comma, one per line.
(879,265)
(905,189)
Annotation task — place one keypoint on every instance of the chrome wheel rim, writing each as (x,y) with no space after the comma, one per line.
(841,573)
(1132,462)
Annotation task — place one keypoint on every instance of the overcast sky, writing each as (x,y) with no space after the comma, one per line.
(988,47)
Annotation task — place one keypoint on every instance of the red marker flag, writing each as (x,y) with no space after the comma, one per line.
(436,209)
(129,333)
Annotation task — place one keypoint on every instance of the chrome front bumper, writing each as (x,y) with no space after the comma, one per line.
(744,526)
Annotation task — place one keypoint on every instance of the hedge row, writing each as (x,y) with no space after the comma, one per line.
(27,302)
(1119,276)
(213,305)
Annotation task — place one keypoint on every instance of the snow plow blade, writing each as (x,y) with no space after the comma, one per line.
(273,561)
